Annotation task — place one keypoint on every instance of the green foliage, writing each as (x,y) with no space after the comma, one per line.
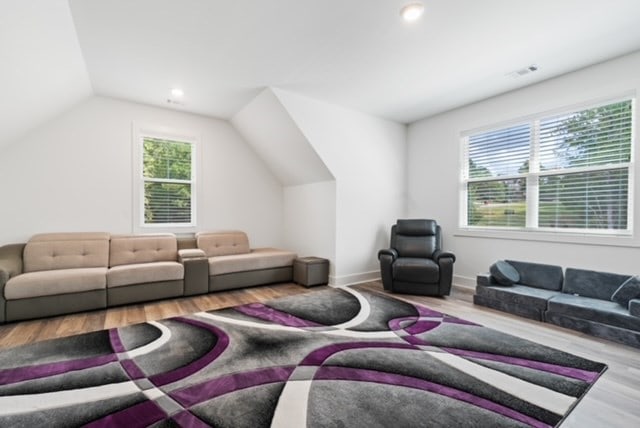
(167,187)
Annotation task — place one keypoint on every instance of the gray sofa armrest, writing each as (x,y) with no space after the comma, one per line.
(10,266)
(484,279)
(438,255)
(386,258)
(196,271)
(634,307)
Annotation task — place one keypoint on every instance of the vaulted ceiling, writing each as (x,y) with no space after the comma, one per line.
(356,53)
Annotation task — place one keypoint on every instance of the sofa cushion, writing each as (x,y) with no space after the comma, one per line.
(410,269)
(518,295)
(593,309)
(504,273)
(223,243)
(258,258)
(634,307)
(539,275)
(589,283)
(59,281)
(630,289)
(141,273)
(132,249)
(49,251)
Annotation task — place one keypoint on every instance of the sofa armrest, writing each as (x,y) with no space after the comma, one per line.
(437,255)
(634,307)
(484,279)
(190,253)
(386,258)
(196,271)
(10,266)
(388,252)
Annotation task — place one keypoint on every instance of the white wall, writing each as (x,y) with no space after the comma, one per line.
(75,174)
(310,220)
(434,172)
(366,155)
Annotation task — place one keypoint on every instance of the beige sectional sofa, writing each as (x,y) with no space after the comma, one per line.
(233,264)
(59,273)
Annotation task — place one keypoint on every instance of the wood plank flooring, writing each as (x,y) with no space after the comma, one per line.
(614,401)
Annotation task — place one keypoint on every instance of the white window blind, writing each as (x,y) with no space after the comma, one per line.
(567,172)
(168,181)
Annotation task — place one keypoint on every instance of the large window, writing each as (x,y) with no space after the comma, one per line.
(567,172)
(167,181)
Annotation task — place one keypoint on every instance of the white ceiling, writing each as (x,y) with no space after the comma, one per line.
(355,53)
(41,66)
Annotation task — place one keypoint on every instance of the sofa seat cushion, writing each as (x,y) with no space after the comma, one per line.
(411,269)
(518,295)
(601,311)
(53,282)
(258,258)
(141,273)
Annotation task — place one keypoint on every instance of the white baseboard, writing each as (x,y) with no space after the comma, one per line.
(464,282)
(354,278)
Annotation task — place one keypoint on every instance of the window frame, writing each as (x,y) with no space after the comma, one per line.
(531,230)
(140,132)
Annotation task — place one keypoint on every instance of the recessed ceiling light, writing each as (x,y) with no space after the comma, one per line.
(177,92)
(412,11)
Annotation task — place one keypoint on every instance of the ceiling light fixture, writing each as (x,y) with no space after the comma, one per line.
(177,92)
(412,11)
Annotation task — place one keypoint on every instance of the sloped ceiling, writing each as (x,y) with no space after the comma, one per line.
(267,127)
(354,53)
(41,66)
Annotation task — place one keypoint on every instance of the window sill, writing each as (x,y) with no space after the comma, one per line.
(176,229)
(619,240)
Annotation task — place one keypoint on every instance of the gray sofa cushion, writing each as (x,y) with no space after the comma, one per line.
(538,275)
(518,295)
(409,269)
(589,283)
(634,307)
(630,289)
(504,273)
(605,312)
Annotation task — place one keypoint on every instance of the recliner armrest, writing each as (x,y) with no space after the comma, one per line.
(388,252)
(634,307)
(437,255)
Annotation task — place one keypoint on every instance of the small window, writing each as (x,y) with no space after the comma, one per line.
(166,177)
(569,172)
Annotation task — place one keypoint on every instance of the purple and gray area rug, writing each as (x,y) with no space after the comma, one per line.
(336,357)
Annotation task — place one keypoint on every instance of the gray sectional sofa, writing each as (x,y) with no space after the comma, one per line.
(60,273)
(595,303)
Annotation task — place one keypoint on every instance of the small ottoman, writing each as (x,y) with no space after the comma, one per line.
(309,271)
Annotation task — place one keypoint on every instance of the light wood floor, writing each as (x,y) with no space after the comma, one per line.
(614,401)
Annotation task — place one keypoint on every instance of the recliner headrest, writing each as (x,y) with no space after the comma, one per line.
(416,227)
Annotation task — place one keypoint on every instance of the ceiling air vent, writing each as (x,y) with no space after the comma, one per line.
(523,71)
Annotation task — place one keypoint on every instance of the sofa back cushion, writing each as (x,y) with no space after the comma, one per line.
(548,277)
(224,243)
(51,251)
(589,283)
(130,249)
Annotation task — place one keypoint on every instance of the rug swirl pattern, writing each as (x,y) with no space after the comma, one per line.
(335,357)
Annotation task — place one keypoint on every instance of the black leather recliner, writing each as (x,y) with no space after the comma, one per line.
(415,263)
